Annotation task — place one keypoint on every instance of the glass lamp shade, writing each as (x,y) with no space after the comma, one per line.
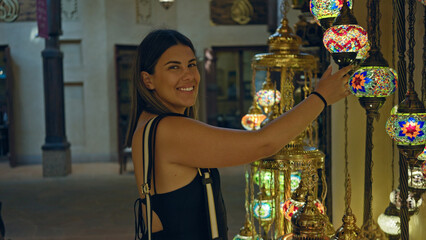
(422,157)
(412,204)
(253,119)
(323,9)
(416,178)
(291,206)
(345,38)
(166,3)
(295,179)
(389,224)
(264,209)
(363,53)
(373,82)
(407,128)
(266,97)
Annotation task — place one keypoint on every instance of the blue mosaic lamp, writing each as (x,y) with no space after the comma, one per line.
(406,128)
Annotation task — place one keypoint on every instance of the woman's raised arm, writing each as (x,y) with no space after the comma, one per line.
(195,144)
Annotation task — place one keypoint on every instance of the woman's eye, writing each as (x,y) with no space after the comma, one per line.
(174,67)
(192,65)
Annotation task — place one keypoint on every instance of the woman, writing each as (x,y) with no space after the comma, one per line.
(166,81)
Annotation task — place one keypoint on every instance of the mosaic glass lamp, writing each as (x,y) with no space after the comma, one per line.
(412,203)
(406,128)
(345,38)
(268,96)
(264,210)
(253,119)
(422,157)
(389,222)
(325,11)
(373,81)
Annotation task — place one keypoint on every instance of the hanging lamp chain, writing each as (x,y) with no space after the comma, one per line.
(284,7)
(411,43)
(347,195)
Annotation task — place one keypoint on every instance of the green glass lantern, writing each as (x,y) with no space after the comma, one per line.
(374,81)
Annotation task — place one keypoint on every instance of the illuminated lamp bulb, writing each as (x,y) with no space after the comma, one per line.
(389,222)
(253,119)
(325,11)
(406,128)
(412,204)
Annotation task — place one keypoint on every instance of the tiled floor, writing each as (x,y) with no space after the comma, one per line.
(94,202)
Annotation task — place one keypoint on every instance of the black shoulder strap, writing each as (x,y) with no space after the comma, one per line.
(148,157)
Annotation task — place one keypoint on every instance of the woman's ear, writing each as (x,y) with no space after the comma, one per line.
(147,80)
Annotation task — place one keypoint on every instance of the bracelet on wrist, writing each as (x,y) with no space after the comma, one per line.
(321,97)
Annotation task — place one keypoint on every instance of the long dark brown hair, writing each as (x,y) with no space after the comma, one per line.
(149,51)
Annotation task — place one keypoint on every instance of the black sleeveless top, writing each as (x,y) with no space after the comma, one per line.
(184,214)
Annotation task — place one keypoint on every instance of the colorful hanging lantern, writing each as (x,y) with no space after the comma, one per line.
(325,11)
(291,206)
(268,96)
(416,178)
(373,82)
(407,128)
(412,203)
(389,221)
(422,156)
(253,119)
(345,38)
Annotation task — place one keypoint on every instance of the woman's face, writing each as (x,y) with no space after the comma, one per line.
(176,78)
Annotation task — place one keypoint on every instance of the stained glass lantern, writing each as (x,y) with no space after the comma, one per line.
(268,96)
(412,203)
(291,206)
(406,128)
(344,42)
(389,221)
(253,119)
(325,11)
(363,53)
(416,179)
(373,81)
(422,157)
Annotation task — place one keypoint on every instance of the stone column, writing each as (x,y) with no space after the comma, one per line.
(56,149)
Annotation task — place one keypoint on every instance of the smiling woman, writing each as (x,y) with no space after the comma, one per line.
(176,160)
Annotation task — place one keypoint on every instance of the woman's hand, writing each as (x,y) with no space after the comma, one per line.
(334,87)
